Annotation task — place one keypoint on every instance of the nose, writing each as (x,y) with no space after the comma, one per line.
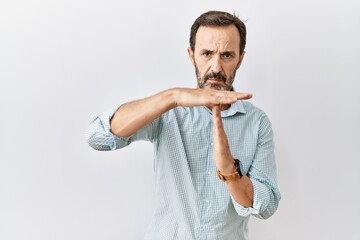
(216,64)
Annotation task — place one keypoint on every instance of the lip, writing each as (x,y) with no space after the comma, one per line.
(214,80)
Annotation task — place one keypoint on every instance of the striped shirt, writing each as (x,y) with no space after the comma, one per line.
(190,200)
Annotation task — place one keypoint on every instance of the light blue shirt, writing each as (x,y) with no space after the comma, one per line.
(190,200)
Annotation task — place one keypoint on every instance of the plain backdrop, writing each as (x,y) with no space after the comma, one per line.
(64,62)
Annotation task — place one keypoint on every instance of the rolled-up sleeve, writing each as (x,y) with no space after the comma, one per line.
(99,136)
(262,174)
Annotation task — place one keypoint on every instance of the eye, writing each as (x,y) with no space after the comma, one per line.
(227,55)
(207,53)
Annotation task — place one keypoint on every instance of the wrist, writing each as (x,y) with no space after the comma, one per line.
(173,96)
(234,175)
(227,168)
(169,96)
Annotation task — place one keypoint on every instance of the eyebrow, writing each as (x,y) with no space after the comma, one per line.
(221,53)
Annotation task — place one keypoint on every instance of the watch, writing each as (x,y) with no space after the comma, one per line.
(232,176)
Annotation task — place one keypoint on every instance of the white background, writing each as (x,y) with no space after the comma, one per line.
(64,62)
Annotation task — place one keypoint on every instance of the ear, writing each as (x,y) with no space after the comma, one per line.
(240,60)
(191,55)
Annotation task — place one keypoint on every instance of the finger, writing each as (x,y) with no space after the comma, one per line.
(216,112)
(221,100)
(238,95)
(217,121)
(226,97)
(244,96)
(221,150)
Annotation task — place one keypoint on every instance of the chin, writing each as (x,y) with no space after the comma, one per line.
(216,86)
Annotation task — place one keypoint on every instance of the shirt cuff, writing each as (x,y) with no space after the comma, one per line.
(118,142)
(99,135)
(261,200)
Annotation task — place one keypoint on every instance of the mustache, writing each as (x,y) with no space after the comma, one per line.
(215,75)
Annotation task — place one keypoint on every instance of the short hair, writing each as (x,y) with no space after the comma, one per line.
(218,18)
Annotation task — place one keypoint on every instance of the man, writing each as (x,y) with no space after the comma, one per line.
(214,153)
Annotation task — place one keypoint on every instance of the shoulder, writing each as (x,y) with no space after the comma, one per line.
(255,114)
(250,108)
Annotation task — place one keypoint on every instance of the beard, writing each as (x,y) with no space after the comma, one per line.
(225,84)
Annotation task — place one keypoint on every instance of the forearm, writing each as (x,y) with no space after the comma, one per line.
(242,191)
(132,116)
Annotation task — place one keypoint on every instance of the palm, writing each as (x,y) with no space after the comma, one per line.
(221,151)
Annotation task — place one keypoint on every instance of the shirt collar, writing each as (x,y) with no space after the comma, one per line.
(236,107)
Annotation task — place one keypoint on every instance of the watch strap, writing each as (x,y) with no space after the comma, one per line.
(228,177)
(231,176)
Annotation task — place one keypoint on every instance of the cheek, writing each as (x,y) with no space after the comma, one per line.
(202,64)
(202,69)
(230,70)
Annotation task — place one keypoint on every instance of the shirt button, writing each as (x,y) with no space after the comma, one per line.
(209,172)
(206,200)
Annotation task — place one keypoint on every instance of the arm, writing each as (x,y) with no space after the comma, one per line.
(119,127)
(262,173)
(132,116)
(256,193)
(241,189)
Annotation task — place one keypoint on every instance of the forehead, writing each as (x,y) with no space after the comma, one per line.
(209,37)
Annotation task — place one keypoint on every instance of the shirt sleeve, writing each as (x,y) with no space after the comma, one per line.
(262,173)
(99,136)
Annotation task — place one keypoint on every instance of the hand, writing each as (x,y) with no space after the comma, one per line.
(242,190)
(188,97)
(223,159)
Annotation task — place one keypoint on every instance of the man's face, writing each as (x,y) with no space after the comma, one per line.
(216,56)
